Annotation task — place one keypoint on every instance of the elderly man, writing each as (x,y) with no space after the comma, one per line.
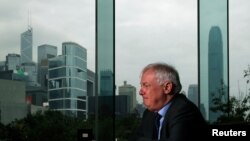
(169,116)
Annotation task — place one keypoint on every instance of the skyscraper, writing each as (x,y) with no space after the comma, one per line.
(68,81)
(43,54)
(215,68)
(213,57)
(129,90)
(26,46)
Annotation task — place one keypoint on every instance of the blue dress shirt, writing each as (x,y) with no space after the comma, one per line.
(162,112)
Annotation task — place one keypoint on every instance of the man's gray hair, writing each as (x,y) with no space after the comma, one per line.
(165,72)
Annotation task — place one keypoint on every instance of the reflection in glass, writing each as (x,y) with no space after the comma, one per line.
(213,52)
(105,69)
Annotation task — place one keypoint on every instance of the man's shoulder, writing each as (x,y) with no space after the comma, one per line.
(181,102)
(180,98)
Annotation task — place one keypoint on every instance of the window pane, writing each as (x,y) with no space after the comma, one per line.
(53,41)
(148,32)
(213,55)
(105,46)
(239,47)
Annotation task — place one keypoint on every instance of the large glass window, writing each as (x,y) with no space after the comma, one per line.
(105,49)
(239,26)
(213,56)
(48,23)
(147,32)
(118,46)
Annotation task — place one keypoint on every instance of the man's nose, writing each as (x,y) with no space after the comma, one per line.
(141,91)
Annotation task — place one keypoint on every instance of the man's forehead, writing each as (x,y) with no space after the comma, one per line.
(149,72)
(148,77)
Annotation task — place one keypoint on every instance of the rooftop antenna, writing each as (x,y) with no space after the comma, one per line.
(29,20)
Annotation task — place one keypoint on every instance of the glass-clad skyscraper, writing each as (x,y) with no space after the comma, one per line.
(105,68)
(213,58)
(43,54)
(68,81)
(26,46)
(215,68)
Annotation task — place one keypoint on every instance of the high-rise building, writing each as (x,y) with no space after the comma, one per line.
(26,46)
(213,57)
(44,52)
(129,90)
(215,69)
(193,94)
(13,62)
(67,81)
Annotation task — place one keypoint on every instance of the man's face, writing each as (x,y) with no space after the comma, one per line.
(151,91)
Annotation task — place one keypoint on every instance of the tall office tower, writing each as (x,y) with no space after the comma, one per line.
(67,81)
(215,68)
(106,80)
(44,52)
(129,90)
(193,94)
(13,62)
(26,46)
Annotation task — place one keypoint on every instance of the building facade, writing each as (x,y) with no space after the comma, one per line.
(43,54)
(215,69)
(2,65)
(90,83)
(26,46)
(106,83)
(12,101)
(67,81)
(129,90)
(13,62)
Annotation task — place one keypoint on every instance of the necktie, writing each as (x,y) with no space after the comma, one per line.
(157,125)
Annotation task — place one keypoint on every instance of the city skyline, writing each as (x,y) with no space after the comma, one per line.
(138,31)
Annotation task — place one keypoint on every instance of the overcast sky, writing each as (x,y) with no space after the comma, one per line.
(146,31)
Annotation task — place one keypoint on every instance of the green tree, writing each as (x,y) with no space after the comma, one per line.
(236,110)
(49,126)
(126,125)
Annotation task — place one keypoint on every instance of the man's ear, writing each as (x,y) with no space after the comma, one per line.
(168,87)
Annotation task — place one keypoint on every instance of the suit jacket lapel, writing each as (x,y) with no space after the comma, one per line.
(148,124)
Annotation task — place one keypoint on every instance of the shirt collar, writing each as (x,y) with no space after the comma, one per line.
(164,109)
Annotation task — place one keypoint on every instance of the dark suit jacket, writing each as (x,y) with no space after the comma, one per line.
(183,122)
